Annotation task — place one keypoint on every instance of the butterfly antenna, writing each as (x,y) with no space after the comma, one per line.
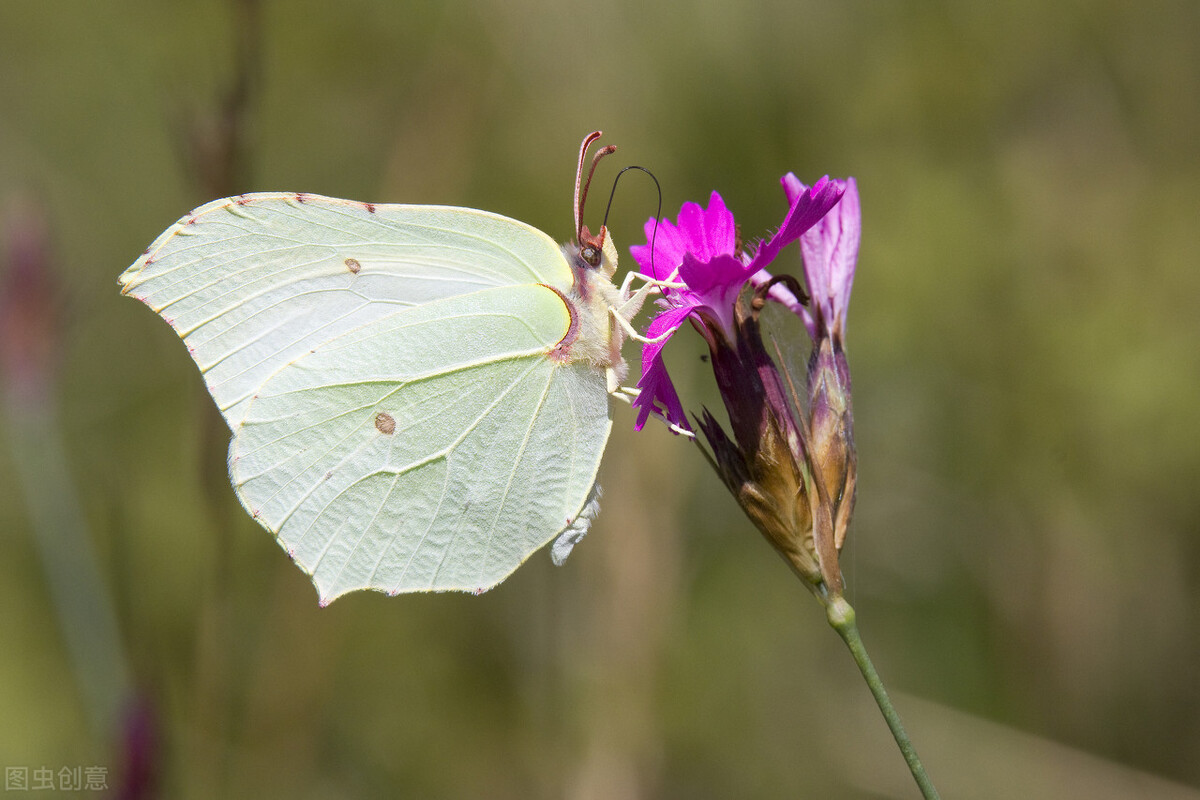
(581,185)
(657,213)
(583,148)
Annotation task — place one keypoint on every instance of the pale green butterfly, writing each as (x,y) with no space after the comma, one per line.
(418,395)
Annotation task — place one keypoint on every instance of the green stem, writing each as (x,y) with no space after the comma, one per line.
(841,617)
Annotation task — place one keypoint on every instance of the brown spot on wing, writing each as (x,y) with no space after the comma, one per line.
(353,265)
(385,423)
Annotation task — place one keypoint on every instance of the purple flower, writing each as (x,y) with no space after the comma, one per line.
(702,252)
(789,462)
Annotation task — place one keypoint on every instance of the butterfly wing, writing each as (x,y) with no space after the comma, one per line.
(253,282)
(397,422)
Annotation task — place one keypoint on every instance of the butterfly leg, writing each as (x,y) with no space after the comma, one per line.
(669,283)
(632,333)
(631,303)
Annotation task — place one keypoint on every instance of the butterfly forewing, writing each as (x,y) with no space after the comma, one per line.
(253,282)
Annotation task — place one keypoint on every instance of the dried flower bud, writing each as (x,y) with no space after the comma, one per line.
(831,430)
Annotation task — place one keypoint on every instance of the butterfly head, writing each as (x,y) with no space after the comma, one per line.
(597,253)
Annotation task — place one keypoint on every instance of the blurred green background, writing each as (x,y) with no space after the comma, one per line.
(1024,341)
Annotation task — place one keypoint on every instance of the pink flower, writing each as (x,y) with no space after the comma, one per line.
(702,253)
(789,460)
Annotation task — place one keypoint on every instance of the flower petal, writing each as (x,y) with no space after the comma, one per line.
(657,391)
(714,285)
(710,232)
(664,325)
(705,233)
(670,246)
(658,394)
(805,209)
(830,250)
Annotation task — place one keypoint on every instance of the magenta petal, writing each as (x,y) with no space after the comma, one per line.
(705,278)
(722,230)
(705,233)
(793,187)
(806,207)
(666,324)
(691,226)
(658,394)
(845,255)
(670,246)
(714,285)
(657,391)
(710,232)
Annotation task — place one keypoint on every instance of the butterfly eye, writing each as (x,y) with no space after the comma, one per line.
(590,254)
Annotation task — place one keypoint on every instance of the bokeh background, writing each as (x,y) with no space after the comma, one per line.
(1023,338)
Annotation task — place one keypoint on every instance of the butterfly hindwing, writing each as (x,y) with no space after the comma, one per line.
(445,471)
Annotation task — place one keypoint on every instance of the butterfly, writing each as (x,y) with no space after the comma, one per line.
(419,396)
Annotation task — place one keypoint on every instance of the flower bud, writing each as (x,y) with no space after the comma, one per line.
(831,430)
